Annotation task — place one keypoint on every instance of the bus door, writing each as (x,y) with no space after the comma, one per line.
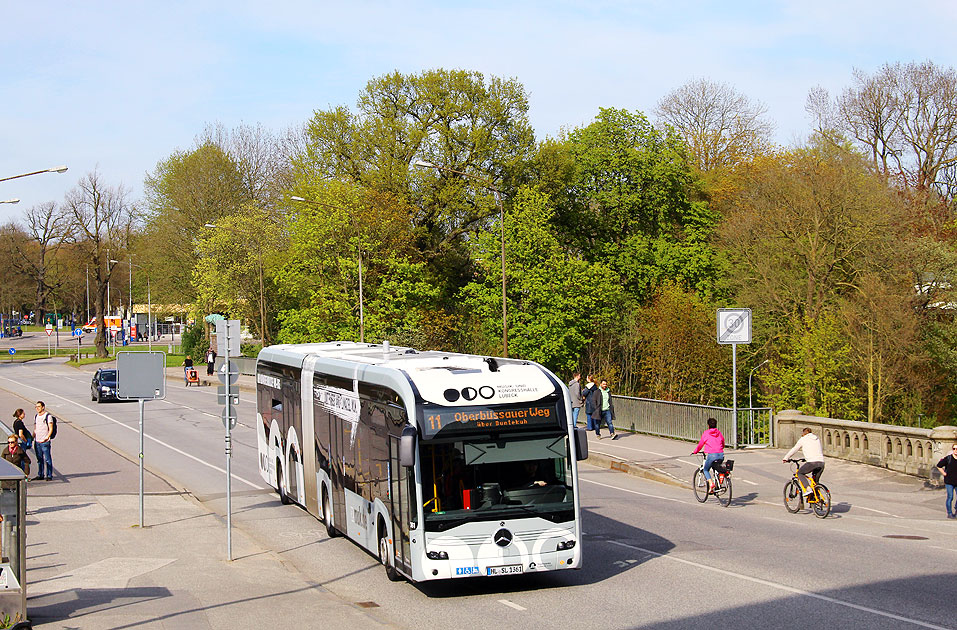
(402,504)
(340,448)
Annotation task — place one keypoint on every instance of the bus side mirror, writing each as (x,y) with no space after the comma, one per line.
(581,443)
(407,447)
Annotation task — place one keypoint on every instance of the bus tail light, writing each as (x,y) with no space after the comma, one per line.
(437,555)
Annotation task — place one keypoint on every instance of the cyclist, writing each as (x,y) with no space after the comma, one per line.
(810,446)
(712,443)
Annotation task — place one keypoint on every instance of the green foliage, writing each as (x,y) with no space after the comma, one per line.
(555,302)
(671,350)
(630,206)
(814,372)
(194,341)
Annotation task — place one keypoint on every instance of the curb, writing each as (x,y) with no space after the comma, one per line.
(601,460)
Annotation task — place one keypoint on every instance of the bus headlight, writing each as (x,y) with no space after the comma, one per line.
(565,545)
(437,555)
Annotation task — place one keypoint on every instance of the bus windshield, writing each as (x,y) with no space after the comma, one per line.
(478,479)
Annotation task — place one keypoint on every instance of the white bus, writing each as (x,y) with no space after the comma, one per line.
(442,465)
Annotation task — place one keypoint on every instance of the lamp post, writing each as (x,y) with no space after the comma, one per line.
(362,324)
(501,214)
(149,301)
(54,169)
(751,404)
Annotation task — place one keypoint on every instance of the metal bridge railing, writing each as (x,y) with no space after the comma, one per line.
(685,421)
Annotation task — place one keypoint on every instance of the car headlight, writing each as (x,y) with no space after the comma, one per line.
(105,389)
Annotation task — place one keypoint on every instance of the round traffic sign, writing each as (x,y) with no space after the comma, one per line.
(232,417)
(77,332)
(228,370)
(13,351)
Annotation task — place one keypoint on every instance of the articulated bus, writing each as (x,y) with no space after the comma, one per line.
(442,465)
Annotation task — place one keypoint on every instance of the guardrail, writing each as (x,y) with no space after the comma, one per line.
(908,450)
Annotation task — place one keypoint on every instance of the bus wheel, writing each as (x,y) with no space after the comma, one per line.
(282,493)
(327,517)
(390,571)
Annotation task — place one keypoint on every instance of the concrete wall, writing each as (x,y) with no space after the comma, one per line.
(904,449)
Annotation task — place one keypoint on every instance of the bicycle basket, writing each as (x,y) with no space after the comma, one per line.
(729,465)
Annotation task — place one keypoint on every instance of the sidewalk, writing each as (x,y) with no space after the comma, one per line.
(90,566)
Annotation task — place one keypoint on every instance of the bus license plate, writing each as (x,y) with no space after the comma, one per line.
(508,569)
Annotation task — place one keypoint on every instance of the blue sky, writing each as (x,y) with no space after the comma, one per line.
(119,86)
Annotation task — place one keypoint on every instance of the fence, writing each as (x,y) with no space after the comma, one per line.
(685,421)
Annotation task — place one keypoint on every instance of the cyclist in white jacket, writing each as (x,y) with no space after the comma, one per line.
(810,446)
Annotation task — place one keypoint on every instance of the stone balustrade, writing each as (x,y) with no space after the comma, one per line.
(905,449)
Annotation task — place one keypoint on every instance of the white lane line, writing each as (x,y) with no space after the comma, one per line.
(136,430)
(640,494)
(511,604)
(861,507)
(781,587)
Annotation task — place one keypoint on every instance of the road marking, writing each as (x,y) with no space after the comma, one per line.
(861,507)
(781,587)
(641,494)
(511,604)
(136,430)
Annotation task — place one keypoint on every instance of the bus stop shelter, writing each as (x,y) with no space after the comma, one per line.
(13,569)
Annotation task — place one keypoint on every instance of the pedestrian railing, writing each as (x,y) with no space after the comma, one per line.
(686,421)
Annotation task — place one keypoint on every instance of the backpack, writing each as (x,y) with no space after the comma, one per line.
(51,422)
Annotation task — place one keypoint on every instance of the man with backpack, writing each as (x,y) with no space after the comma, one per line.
(43,434)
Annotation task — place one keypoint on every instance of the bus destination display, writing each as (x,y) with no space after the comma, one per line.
(487,419)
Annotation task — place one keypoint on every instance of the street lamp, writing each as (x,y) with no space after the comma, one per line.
(362,323)
(54,169)
(10,201)
(501,213)
(149,300)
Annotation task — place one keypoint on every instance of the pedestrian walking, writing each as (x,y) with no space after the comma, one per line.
(948,468)
(588,397)
(44,429)
(16,455)
(575,393)
(607,409)
(210,361)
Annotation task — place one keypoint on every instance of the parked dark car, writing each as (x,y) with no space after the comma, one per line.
(103,386)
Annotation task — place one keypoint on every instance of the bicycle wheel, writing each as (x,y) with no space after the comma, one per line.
(700,486)
(793,501)
(724,492)
(822,507)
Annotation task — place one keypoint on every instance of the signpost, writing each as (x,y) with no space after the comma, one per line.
(49,330)
(227,337)
(734,327)
(141,376)
(78,333)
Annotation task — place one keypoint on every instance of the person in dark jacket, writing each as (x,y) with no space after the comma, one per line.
(591,404)
(948,468)
(16,455)
(575,393)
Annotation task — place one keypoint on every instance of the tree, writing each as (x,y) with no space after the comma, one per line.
(233,271)
(455,119)
(34,250)
(101,221)
(631,207)
(905,116)
(824,252)
(556,302)
(721,126)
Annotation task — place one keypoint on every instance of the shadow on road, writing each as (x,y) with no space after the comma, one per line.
(613,562)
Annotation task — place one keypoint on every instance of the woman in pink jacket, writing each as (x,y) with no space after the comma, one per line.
(712,443)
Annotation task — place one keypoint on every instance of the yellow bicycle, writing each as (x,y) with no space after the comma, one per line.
(819,500)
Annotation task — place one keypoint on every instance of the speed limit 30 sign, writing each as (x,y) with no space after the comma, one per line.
(734,325)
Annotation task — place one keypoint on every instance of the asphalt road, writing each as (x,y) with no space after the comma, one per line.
(653,557)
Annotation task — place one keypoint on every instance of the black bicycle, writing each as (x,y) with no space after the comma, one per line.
(721,474)
(818,500)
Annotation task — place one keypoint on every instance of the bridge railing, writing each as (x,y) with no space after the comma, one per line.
(685,421)
(909,450)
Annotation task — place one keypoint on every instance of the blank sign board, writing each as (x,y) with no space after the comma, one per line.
(141,375)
